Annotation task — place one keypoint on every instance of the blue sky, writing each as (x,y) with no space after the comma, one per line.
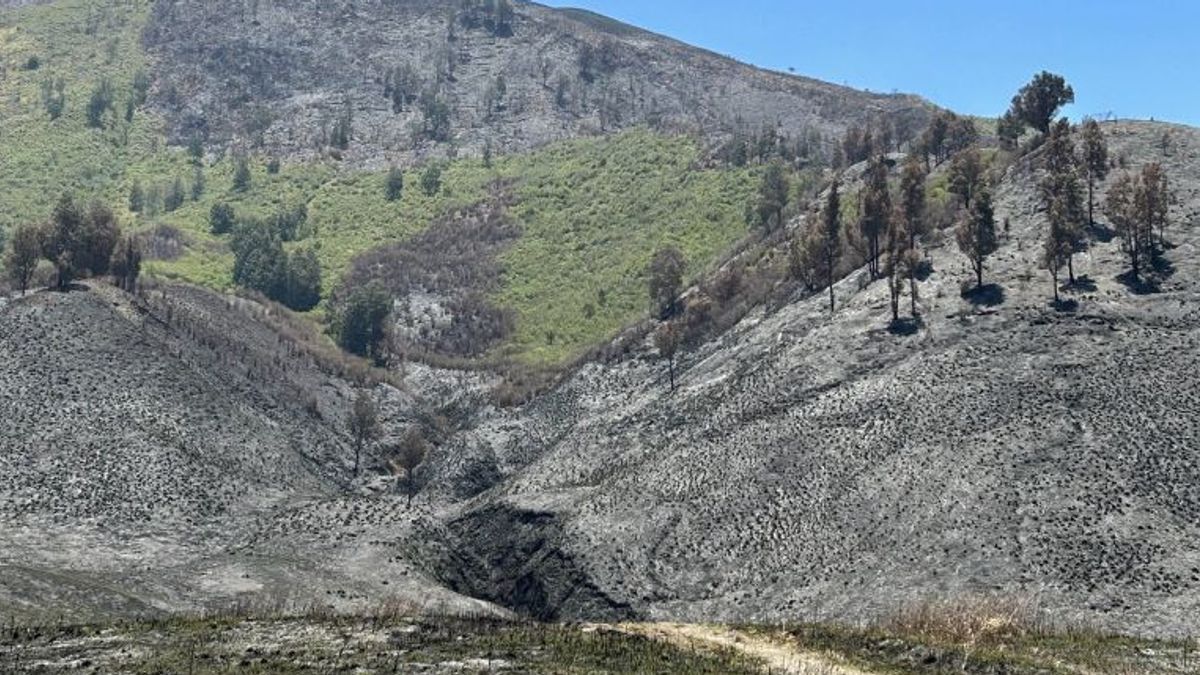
(1134,58)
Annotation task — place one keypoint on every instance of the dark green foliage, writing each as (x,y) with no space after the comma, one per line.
(290,223)
(947,135)
(100,103)
(362,326)
(79,242)
(221,218)
(261,264)
(54,97)
(431,179)
(967,176)
(259,261)
(394,184)
(33,63)
(196,148)
(436,112)
(1094,161)
(126,264)
(273,166)
(857,145)
(137,198)
(403,86)
(174,197)
(303,291)
(1063,200)
(141,86)
(197,184)
(976,234)
(1039,101)
(773,196)
(665,280)
(241,174)
(875,212)
(22,256)
(342,132)
(1009,128)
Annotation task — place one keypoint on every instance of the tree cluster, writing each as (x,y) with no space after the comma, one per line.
(363,324)
(947,135)
(1138,205)
(260,263)
(79,241)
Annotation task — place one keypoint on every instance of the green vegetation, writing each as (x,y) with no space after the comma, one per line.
(591,211)
(385,644)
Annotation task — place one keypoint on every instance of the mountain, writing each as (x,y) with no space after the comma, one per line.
(283,75)
(186,447)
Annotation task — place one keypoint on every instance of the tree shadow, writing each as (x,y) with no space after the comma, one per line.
(1101,232)
(1065,305)
(924,270)
(987,295)
(906,326)
(1150,281)
(72,287)
(1083,284)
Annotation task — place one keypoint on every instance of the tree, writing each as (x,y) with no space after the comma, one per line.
(1038,102)
(976,234)
(912,209)
(259,261)
(1095,161)
(100,103)
(126,264)
(1058,248)
(876,211)
(436,117)
(221,218)
(363,424)
(896,260)
(174,196)
(967,174)
(79,242)
(667,340)
(23,254)
(829,239)
(362,327)
(1155,202)
(1122,204)
(394,185)
(303,290)
(773,196)
(196,149)
(431,179)
(137,198)
(1060,190)
(241,175)
(1009,128)
(665,280)
(408,456)
(197,183)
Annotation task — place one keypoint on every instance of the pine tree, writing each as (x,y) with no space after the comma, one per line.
(976,234)
(773,196)
(23,254)
(1039,101)
(1095,162)
(912,205)
(829,240)
(876,212)
(1062,196)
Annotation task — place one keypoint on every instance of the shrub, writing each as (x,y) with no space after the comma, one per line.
(363,325)
(221,218)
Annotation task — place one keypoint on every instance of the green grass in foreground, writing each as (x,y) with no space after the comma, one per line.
(593,211)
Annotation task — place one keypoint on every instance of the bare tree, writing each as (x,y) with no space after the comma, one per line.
(667,339)
(363,424)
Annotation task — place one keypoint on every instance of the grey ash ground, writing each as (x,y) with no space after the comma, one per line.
(807,467)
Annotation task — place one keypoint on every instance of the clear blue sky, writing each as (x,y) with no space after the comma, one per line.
(1135,58)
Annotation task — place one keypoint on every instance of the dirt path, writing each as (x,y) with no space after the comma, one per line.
(778,657)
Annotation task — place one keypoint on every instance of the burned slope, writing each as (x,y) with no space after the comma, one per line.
(143,440)
(817,467)
(398,81)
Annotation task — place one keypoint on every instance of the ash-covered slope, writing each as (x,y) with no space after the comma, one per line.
(283,76)
(810,466)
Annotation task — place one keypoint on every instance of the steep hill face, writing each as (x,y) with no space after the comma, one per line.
(284,76)
(818,467)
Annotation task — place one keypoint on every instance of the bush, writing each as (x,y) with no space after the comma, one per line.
(431,179)
(100,103)
(241,175)
(394,186)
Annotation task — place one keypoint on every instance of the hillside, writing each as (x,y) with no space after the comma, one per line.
(808,467)
(306,94)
